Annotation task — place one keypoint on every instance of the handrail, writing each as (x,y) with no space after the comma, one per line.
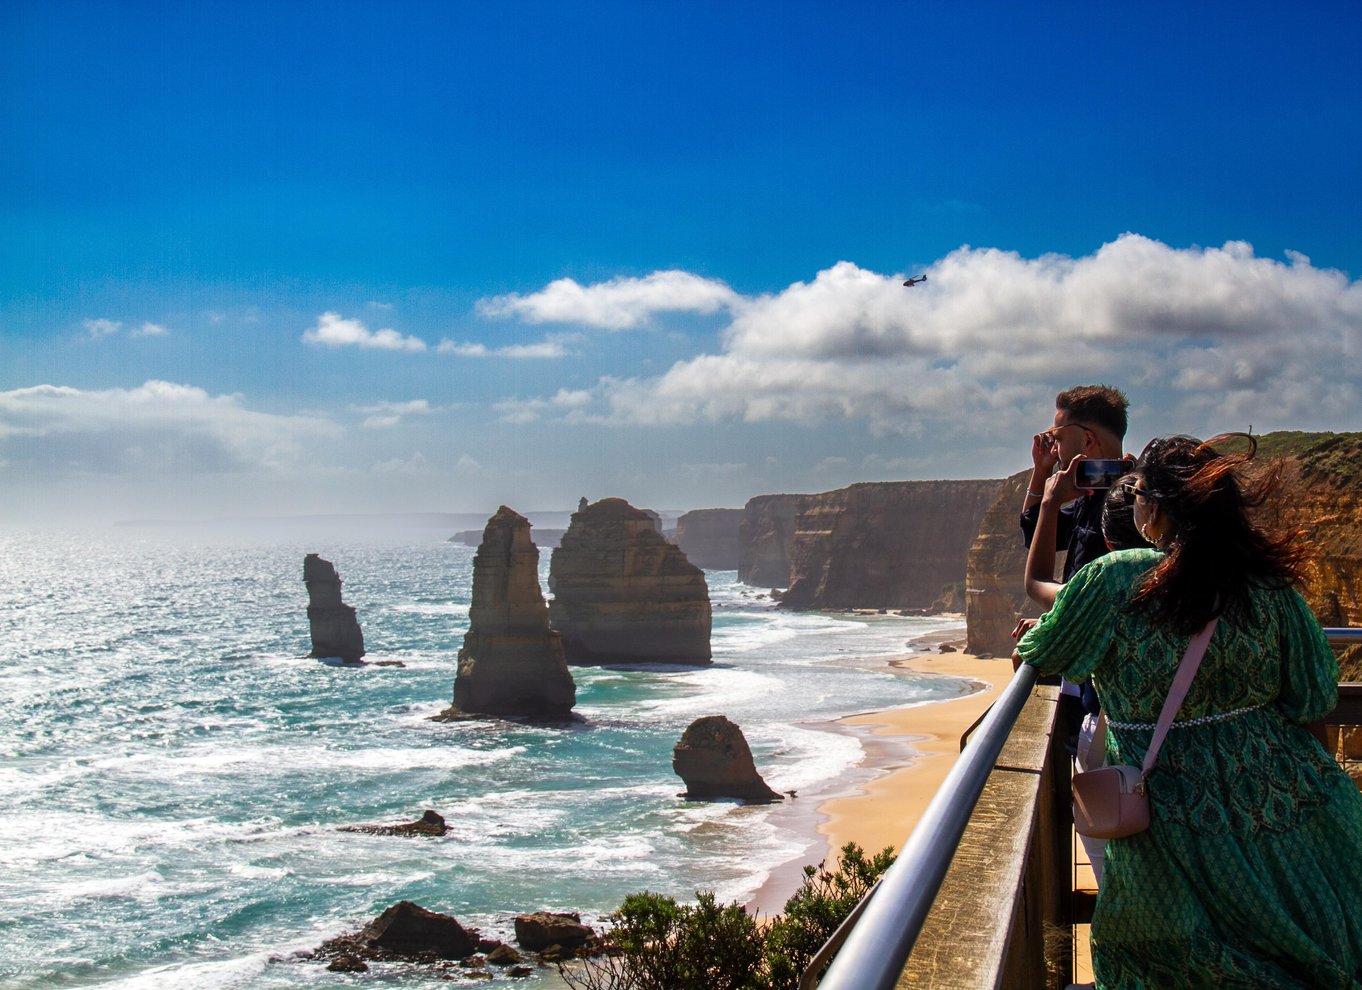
(1342,635)
(878,945)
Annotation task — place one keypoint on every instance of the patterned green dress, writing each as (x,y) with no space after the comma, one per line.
(1250,874)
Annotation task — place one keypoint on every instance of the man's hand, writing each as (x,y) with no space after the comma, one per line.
(1019,630)
(1044,453)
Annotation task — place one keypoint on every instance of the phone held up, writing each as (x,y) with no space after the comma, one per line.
(1096,473)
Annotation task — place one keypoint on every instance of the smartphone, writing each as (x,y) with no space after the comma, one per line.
(1100,472)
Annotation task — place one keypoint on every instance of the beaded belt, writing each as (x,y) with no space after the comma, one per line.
(1204,720)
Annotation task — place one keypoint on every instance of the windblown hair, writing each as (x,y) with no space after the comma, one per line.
(1097,405)
(1118,516)
(1216,556)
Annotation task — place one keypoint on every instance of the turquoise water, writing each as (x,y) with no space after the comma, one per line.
(173,769)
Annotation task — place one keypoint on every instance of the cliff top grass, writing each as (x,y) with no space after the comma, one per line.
(1338,455)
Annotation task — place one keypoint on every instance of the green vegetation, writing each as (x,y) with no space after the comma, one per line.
(658,944)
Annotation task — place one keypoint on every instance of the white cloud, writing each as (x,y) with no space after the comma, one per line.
(991,335)
(332,330)
(619,304)
(155,428)
(552,347)
(102,327)
(385,414)
(150,329)
(414,465)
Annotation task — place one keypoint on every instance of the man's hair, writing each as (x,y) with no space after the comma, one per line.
(1096,405)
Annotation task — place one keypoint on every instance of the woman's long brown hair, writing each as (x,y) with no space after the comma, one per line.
(1216,556)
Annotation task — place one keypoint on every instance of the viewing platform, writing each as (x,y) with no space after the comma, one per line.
(992,889)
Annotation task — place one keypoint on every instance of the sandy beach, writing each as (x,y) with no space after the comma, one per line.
(911,749)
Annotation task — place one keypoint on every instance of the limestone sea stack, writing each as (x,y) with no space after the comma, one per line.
(623,594)
(511,663)
(714,760)
(335,630)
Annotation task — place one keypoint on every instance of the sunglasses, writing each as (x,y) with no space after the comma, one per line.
(1132,488)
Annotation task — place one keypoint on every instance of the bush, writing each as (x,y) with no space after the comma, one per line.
(658,944)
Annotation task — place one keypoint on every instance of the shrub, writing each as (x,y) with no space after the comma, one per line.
(658,944)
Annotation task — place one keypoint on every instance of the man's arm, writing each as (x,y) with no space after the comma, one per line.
(1041,586)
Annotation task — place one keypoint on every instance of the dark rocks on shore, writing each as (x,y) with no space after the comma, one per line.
(714,760)
(542,930)
(334,628)
(430,823)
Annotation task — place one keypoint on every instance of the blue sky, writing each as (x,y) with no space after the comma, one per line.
(262,259)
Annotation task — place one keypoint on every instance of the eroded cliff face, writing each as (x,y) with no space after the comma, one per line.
(709,537)
(511,663)
(1320,495)
(623,594)
(994,573)
(766,539)
(899,544)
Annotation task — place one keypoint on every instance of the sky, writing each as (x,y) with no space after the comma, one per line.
(262,259)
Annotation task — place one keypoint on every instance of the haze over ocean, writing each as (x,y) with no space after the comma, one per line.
(174,769)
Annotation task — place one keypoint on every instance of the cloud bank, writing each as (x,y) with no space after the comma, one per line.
(992,333)
(157,428)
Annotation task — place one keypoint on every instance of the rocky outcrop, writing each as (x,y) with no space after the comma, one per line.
(714,760)
(511,663)
(766,539)
(890,545)
(1320,496)
(335,630)
(709,537)
(623,594)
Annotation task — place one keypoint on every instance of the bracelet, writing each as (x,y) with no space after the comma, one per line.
(1031,494)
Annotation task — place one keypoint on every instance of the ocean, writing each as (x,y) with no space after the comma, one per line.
(174,770)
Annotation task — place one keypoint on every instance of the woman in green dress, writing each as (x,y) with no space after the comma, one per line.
(1250,874)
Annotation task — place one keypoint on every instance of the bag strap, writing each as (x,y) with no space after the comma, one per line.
(1191,660)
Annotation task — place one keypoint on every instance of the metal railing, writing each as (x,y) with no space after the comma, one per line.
(872,946)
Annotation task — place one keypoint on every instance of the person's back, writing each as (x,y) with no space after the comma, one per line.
(1250,873)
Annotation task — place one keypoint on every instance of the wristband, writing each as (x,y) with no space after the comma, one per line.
(1031,494)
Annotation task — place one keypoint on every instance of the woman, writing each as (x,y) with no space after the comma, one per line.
(1250,874)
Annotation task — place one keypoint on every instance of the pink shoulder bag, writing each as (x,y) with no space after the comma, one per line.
(1112,802)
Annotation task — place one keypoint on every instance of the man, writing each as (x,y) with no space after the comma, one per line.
(1089,420)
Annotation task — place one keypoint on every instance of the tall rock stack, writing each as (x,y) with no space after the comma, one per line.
(709,537)
(511,663)
(335,630)
(765,539)
(623,594)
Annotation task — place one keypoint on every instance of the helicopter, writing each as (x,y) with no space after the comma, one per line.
(915,281)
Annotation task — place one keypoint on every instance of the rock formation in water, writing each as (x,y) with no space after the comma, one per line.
(885,545)
(766,538)
(335,630)
(709,537)
(431,823)
(714,760)
(1320,495)
(404,931)
(623,594)
(511,663)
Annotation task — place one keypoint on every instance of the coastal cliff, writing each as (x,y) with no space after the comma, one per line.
(766,538)
(894,544)
(623,594)
(1320,495)
(709,537)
